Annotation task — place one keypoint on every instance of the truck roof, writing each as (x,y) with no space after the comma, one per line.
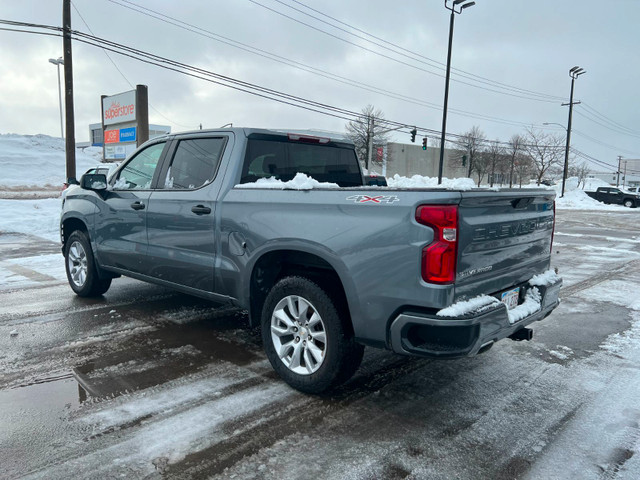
(246,131)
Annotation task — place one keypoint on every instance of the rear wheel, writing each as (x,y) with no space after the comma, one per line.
(305,336)
(82,272)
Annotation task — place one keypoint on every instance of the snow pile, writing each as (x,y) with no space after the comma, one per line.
(34,217)
(579,200)
(299,182)
(476,304)
(39,160)
(592,184)
(418,181)
(544,279)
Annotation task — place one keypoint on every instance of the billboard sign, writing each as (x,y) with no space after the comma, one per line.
(119,108)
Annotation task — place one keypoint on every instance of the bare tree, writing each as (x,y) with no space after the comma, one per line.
(545,149)
(494,152)
(515,147)
(524,165)
(580,171)
(471,143)
(481,164)
(368,127)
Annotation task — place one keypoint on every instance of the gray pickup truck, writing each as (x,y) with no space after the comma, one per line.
(324,271)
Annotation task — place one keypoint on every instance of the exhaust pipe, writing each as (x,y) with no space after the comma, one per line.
(522,334)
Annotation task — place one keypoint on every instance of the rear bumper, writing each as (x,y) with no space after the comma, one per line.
(412,333)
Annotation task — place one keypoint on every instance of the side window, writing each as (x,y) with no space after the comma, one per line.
(195,163)
(138,172)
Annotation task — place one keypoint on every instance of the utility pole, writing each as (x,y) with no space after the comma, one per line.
(574,73)
(618,172)
(370,141)
(70,139)
(624,176)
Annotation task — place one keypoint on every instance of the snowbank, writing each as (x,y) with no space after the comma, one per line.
(39,160)
(34,217)
(576,199)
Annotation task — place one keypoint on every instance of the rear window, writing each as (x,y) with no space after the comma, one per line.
(283,159)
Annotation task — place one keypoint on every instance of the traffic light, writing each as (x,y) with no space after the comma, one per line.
(413,134)
(424,143)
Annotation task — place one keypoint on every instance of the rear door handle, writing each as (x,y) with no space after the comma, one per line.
(200,210)
(137,205)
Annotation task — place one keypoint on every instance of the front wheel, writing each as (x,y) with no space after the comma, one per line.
(305,336)
(82,272)
(628,203)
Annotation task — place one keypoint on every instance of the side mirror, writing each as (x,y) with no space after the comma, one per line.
(94,181)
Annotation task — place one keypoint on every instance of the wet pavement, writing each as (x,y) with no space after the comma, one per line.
(149,383)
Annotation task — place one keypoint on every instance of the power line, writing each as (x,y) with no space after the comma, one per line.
(608,120)
(589,117)
(123,75)
(307,68)
(404,51)
(392,58)
(246,87)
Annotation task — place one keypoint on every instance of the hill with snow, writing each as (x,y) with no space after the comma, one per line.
(38,161)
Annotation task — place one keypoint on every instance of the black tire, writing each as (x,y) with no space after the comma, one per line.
(78,253)
(341,354)
(629,203)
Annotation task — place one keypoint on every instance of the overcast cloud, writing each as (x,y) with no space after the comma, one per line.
(531,45)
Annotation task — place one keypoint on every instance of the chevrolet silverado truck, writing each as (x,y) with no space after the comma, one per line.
(286,227)
(616,196)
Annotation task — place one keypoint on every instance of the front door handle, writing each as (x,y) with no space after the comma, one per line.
(137,205)
(200,210)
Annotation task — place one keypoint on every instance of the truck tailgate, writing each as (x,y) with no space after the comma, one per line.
(504,239)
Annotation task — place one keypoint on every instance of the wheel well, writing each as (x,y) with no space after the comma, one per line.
(69,226)
(273,266)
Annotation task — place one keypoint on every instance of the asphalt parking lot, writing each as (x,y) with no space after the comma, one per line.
(146,382)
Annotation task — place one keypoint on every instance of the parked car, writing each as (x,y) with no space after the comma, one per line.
(230,215)
(614,195)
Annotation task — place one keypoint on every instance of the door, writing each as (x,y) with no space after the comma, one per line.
(121,230)
(181,214)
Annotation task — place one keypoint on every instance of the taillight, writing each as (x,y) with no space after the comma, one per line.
(439,257)
(553,230)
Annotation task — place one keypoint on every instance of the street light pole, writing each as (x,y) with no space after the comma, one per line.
(57,63)
(446,82)
(574,73)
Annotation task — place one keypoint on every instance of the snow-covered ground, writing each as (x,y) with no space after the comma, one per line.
(38,161)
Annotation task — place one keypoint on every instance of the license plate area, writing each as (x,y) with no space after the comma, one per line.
(510,297)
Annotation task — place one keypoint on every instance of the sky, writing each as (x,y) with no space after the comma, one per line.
(502,50)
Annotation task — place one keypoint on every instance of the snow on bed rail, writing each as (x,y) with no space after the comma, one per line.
(299,182)
(418,181)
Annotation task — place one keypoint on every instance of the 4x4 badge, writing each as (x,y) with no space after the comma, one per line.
(373,199)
